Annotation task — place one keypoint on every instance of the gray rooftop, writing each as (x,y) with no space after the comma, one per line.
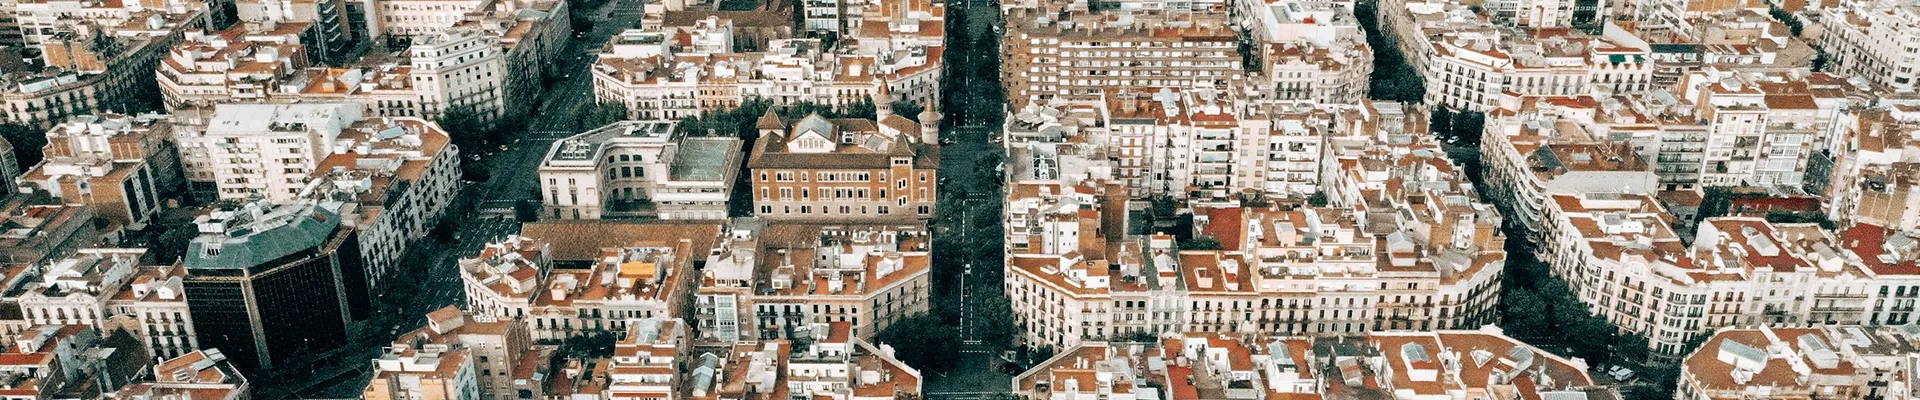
(243,247)
(703,159)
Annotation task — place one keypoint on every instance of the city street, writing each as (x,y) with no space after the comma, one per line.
(482,212)
(971,196)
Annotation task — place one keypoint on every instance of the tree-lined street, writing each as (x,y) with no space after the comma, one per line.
(483,211)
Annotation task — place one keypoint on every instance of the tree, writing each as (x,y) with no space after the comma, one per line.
(1318,199)
(1142,337)
(1786,18)
(1440,121)
(1393,78)
(996,326)
(923,342)
(463,124)
(580,24)
(27,143)
(1200,243)
(1596,335)
(1631,348)
(1466,127)
(908,109)
(473,172)
(1040,354)
(171,243)
(526,210)
(1524,314)
(506,124)
(597,344)
(1714,202)
(863,109)
(601,114)
(444,231)
(1792,217)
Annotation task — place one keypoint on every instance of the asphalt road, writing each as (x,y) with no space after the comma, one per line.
(482,213)
(972,194)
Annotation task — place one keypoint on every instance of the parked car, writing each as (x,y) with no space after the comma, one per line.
(1620,373)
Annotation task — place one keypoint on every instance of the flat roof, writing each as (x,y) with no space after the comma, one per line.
(703,159)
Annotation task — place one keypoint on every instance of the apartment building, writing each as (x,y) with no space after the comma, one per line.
(1550,13)
(456,355)
(412,18)
(120,165)
(106,289)
(571,278)
(1199,146)
(1413,365)
(85,82)
(1842,361)
(55,27)
(820,169)
(1469,63)
(1307,51)
(832,364)
(1871,182)
(1872,41)
(895,57)
(500,279)
(324,27)
(721,310)
(40,22)
(1053,53)
(1074,274)
(244,63)
(412,368)
(778,280)
(70,361)
(392,179)
(1677,15)
(1771,130)
(44,229)
(647,360)
(637,169)
(154,307)
(1620,257)
(1737,39)
(1386,365)
(386,90)
(207,373)
(1206,145)
(534,35)
(490,56)
(9,168)
(1242,365)
(267,150)
(459,67)
(1539,154)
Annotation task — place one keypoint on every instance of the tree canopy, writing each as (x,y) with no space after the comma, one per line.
(1200,243)
(1393,78)
(27,143)
(923,342)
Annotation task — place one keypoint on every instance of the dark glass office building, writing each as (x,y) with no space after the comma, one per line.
(265,283)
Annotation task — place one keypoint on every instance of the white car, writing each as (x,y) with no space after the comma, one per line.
(1620,373)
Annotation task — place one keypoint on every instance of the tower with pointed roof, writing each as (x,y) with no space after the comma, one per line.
(882,100)
(929,125)
(770,123)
